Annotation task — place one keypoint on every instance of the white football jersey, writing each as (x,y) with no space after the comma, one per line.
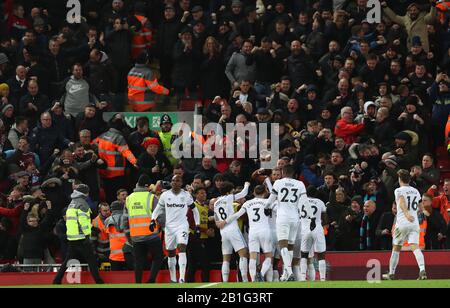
(176,207)
(318,208)
(412,198)
(290,193)
(223,209)
(257,220)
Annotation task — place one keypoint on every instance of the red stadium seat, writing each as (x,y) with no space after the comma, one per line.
(188,104)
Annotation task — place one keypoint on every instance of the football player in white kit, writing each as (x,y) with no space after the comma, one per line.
(276,175)
(313,240)
(175,204)
(260,237)
(407,226)
(232,238)
(291,197)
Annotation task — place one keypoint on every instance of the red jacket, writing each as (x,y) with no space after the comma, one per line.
(14,216)
(441,202)
(348,131)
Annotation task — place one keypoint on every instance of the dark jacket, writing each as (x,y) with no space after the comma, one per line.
(33,241)
(300,69)
(44,141)
(185,66)
(386,222)
(40,101)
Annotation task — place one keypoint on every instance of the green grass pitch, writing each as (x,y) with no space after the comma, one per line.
(328,284)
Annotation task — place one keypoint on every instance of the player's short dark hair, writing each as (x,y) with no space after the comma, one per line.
(259,190)
(404,176)
(288,170)
(226,188)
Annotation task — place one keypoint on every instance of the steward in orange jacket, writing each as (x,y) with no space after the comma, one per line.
(142,86)
(117,237)
(143,34)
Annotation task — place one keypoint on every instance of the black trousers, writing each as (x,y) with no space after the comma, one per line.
(141,251)
(79,250)
(197,255)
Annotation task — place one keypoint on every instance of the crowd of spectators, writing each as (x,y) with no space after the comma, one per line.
(355,102)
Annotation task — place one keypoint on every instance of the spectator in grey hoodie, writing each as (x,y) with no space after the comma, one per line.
(77,95)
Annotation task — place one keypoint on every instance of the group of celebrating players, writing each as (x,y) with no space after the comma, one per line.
(289,224)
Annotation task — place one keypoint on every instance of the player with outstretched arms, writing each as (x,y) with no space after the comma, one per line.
(232,238)
(259,237)
(175,203)
(407,226)
(290,195)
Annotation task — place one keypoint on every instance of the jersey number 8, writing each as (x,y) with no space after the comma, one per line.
(222,213)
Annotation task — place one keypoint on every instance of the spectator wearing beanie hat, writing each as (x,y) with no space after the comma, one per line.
(152,162)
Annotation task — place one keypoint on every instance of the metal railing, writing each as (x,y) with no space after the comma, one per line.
(40,268)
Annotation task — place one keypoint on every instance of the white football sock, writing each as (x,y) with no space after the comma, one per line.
(303,269)
(311,272)
(287,261)
(420,259)
(172,264)
(276,276)
(395,257)
(182,263)
(296,270)
(266,266)
(323,270)
(252,269)
(225,271)
(243,266)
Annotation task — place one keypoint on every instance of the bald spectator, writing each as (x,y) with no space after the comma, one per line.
(369,226)
(18,84)
(33,103)
(45,138)
(207,170)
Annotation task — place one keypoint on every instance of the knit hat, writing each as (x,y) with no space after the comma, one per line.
(3,58)
(358,199)
(6,107)
(144,181)
(368,104)
(311,88)
(82,188)
(150,141)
